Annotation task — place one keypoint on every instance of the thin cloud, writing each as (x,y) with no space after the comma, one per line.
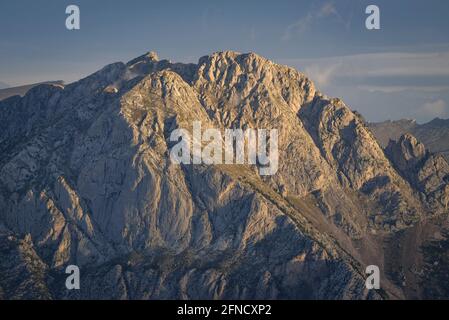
(395,89)
(298,26)
(303,24)
(386,72)
(323,75)
(434,109)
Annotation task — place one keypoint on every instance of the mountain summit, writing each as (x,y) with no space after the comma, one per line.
(86,180)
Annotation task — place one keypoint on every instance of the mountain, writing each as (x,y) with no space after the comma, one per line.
(6,92)
(434,134)
(86,179)
(3,85)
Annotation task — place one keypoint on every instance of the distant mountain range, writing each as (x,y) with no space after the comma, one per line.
(7,92)
(86,179)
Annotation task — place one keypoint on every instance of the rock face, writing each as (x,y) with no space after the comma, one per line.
(86,179)
(434,134)
(428,173)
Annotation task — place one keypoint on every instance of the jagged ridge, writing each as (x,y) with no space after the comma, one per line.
(85,176)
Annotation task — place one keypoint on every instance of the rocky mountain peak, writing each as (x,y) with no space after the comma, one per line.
(152,56)
(407,152)
(428,172)
(86,179)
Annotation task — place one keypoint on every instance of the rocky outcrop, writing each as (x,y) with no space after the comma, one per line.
(427,172)
(433,134)
(23,273)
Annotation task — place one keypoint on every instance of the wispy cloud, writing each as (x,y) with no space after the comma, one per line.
(298,26)
(323,75)
(386,72)
(325,11)
(434,109)
(395,89)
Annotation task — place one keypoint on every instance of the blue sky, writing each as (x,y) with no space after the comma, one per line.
(400,71)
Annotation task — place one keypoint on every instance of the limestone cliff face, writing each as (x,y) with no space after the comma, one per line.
(434,134)
(86,179)
(427,172)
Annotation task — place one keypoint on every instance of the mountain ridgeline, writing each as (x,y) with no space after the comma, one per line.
(86,179)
